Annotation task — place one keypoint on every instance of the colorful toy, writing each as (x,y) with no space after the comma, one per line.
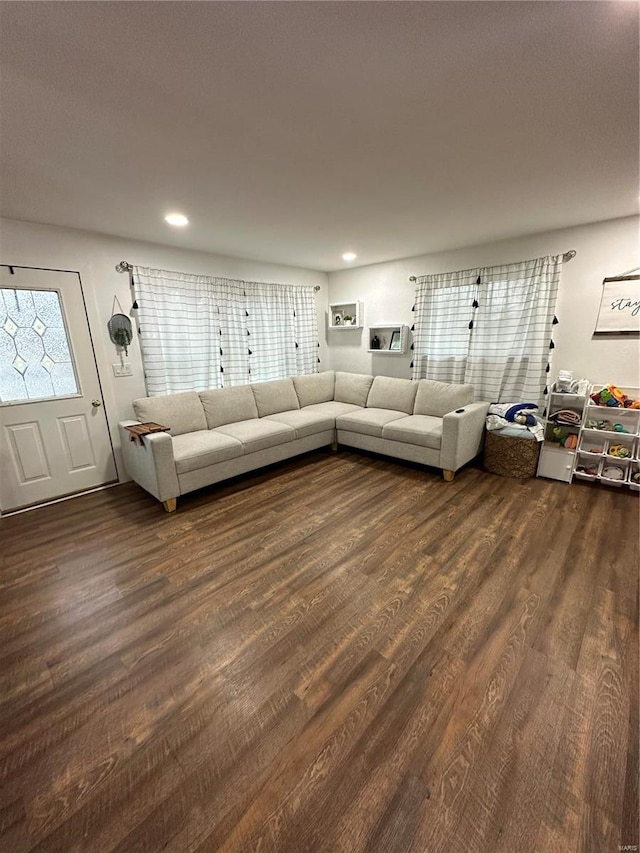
(613,397)
(607,426)
(564,438)
(635,477)
(619,451)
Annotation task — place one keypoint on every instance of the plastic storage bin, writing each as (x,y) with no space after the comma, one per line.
(588,465)
(619,445)
(593,444)
(614,472)
(606,419)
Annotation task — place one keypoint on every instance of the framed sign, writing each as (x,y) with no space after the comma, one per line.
(619,312)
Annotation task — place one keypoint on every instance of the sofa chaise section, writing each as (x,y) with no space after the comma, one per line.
(433,423)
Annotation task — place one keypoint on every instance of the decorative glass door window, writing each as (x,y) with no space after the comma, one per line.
(35,354)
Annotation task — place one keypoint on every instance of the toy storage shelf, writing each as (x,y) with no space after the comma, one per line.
(339,310)
(609,444)
(557,461)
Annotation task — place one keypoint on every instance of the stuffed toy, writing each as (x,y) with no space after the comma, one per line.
(517,413)
(525,418)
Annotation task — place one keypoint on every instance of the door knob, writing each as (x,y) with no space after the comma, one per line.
(96,403)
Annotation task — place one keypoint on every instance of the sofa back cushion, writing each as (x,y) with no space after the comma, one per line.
(389,393)
(437,398)
(274,397)
(352,388)
(314,388)
(228,405)
(180,412)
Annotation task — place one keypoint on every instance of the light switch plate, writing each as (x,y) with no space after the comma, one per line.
(122,369)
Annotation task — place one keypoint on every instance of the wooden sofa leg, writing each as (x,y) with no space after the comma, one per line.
(170,505)
(448,475)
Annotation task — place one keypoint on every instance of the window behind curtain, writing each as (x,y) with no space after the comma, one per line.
(200,332)
(443,309)
(179,331)
(282,341)
(507,312)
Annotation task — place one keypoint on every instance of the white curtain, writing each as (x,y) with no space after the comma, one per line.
(443,312)
(491,327)
(199,332)
(179,331)
(281,339)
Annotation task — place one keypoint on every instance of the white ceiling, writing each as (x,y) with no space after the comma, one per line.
(292,132)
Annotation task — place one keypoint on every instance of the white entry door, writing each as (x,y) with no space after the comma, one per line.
(54,438)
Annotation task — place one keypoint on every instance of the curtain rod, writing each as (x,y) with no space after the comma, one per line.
(566,257)
(125,266)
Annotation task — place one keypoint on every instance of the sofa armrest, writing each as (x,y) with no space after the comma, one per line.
(150,464)
(462,435)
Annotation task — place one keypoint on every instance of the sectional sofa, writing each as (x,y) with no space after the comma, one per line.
(218,434)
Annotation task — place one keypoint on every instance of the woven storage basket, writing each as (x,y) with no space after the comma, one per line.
(510,456)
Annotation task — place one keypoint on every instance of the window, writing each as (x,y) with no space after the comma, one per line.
(200,332)
(35,355)
(489,327)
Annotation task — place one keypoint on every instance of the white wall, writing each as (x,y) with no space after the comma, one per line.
(604,249)
(94,256)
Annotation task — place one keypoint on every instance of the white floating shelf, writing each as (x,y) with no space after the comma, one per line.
(339,310)
(385,334)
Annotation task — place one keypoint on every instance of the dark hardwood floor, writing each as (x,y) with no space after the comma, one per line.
(341,654)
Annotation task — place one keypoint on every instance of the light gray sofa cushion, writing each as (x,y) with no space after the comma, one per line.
(437,398)
(352,388)
(423,430)
(368,421)
(304,422)
(195,450)
(258,434)
(179,412)
(228,405)
(315,388)
(333,409)
(389,393)
(274,397)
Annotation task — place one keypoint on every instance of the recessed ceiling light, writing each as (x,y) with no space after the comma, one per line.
(349,256)
(179,220)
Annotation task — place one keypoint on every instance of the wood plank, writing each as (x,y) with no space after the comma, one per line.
(338,653)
